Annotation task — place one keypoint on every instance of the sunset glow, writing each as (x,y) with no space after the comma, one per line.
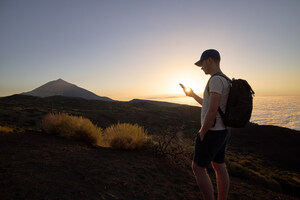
(136,49)
(188,89)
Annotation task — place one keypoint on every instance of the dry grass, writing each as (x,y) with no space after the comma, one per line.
(125,136)
(72,127)
(5,129)
(119,136)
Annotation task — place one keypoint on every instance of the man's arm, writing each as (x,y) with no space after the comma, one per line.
(196,97)
(211,114)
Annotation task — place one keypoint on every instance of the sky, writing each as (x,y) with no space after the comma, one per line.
(126,49)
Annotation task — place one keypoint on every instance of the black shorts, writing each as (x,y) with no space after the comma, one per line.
(212,148)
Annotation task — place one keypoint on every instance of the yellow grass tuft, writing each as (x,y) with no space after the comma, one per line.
(119,136)
(72,127)
(5,129)
(125,136)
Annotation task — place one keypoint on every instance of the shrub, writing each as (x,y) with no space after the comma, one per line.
(169,146)
(5,129)
(125,136)
(72,127)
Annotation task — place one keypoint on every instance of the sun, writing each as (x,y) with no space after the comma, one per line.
(187,89)
(187,84)
(192,78)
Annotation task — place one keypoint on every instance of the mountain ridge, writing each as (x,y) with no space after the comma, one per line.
(61,87)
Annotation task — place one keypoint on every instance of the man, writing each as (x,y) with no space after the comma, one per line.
(212,137)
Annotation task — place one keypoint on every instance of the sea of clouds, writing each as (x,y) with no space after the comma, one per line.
(281,111)
(277,110)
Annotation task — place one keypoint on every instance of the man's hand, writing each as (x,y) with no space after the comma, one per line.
(202,134)
(189,92)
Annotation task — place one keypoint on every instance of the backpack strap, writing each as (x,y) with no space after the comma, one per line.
(222,114)
(218,74)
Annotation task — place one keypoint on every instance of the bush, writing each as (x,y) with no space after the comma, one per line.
(125,136)
(72,127)
(5,129)
(119,136)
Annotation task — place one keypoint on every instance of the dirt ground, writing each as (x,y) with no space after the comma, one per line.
(41,166)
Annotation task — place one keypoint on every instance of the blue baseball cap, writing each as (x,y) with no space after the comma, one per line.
(210,53)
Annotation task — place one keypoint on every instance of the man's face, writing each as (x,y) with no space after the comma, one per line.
(205,66)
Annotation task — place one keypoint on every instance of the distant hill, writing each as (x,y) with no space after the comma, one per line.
(155,118)
(62,88)
(158,103)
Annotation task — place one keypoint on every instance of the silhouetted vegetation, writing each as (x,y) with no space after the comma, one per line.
(72,127)
(5,129)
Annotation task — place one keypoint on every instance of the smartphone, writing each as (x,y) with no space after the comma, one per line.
(186,90)
(183,87)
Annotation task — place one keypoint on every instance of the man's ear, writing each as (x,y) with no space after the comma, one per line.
(210,60)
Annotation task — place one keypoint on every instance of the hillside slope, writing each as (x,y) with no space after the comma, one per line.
(40,166)
(277,144)
(259,156)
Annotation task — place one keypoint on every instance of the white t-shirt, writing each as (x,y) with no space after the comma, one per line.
(220,85)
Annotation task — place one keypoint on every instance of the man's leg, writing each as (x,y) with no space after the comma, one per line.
(203,181)
(222,180)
